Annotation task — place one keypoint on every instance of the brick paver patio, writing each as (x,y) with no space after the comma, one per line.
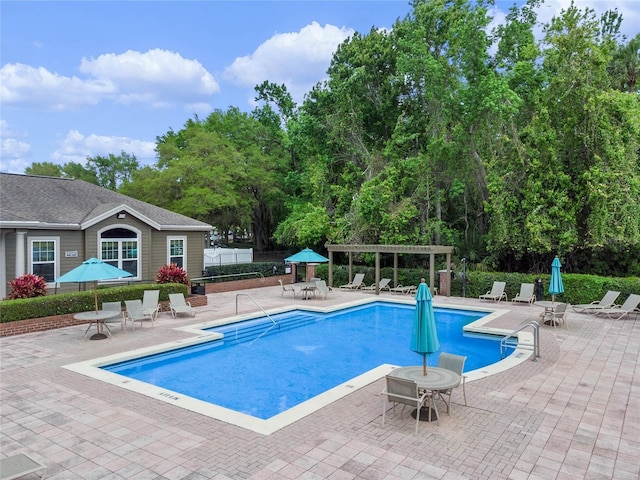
(573,414)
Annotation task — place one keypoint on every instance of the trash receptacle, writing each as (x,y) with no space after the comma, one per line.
(539,289)
(445,282)
(197,289)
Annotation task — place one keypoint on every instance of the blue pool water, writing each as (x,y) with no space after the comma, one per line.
(262,370)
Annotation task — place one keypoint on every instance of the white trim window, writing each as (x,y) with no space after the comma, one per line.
(177,251)
(44,257)
(120,247)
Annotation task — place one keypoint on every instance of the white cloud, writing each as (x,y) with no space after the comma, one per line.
(158,78)
(76,147)
(298,59)
(13,152)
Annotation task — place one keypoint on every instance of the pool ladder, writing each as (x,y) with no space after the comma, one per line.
(511,340)
(275,324)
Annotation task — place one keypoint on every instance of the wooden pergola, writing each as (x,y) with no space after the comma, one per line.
(431,250)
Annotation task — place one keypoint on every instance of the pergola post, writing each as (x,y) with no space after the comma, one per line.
(330,277)
(432,266)
(377,273)
(395,269)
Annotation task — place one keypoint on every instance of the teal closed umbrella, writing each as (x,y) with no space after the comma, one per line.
(93,270)
(424,337)
(555,286)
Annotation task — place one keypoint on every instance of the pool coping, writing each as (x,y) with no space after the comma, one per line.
(91,368)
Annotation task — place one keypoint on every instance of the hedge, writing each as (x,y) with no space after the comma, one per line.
(69,303)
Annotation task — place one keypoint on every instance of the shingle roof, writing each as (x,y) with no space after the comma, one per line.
(43,202)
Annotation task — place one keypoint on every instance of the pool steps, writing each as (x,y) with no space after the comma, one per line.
(249,330)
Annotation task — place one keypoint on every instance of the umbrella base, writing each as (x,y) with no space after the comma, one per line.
(424,414)
(98,336)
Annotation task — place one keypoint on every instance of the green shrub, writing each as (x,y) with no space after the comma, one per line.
(65,303)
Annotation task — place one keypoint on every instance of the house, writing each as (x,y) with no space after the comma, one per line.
(49,226)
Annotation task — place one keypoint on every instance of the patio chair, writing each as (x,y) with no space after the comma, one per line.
(151,304)
(322,290)
(286,288)
(497,292)
(356,283)
(607,302)
(556,316)
(405,392)
(630,305)
(400,289)
(178,305)
(525,295)
(454,363)
(382,285)
(134,313)
(19,465)
(116,307)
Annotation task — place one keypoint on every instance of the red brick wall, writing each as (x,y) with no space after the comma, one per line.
(58,321)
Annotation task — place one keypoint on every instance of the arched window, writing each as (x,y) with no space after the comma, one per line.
(119,247)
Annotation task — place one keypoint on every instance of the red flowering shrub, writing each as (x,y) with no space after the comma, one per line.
(172,274)
(27,286)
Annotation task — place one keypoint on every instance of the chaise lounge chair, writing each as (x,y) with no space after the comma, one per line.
(151,304)
(134,313)
(607,302)
(356,283)
(630,306)
(322,290)
(526,294)
(382,285)
(496,294)
(404,290)
(179,305)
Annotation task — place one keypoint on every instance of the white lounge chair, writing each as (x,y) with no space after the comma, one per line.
(607,302)
(382,285)
(19,465)
(134,313)
(322,290)
(151,303)
(496,294)
(179,305)
(630,306)
(116,307)
(357,282)
(402,289)
(287,288)
(405,392)
(526,294)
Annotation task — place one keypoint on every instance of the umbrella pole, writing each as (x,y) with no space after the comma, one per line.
(95,294)
(424,365)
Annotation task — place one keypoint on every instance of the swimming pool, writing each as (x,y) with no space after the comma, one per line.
(279,362)
(250,365)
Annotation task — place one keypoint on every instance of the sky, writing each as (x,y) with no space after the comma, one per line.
(82,79)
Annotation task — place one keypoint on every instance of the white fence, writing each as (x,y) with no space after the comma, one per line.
(227,256)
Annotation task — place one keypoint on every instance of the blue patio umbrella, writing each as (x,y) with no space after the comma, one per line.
(424,337)
(93,270)
(555,286)
(306,256)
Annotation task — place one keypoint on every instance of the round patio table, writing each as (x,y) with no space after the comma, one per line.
(98,318)
(549,307)
(436,379)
